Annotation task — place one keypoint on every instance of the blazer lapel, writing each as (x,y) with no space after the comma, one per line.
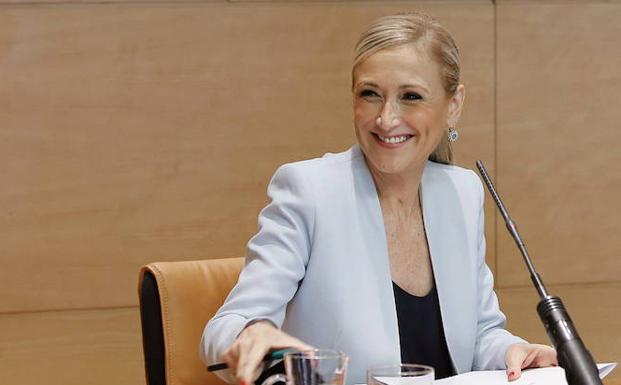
(443,220)
(377,249)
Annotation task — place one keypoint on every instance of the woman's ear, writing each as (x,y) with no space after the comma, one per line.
(455,105)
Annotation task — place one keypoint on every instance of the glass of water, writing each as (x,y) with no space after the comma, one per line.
(403,374)
(312,367)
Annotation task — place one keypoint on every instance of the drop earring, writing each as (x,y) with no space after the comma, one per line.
(452,134)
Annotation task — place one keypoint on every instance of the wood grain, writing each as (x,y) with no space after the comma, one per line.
(100,347)
(135,133)
(39,3)
(594,310)
(558,82)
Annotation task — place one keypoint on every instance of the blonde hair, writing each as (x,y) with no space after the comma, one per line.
(416,28)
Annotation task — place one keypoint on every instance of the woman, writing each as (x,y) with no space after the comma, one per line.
(378,251)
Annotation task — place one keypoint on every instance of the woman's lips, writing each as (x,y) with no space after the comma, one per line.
(392,141)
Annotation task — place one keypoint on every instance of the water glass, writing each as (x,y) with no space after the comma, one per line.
(403,374)
(312,367)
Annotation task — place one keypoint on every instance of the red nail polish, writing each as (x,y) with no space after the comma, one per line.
(511,375)
(243,383)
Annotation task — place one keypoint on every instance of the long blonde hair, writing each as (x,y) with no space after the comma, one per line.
(412,28)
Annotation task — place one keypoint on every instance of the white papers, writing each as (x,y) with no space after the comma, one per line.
(547,376)
(606,368)
(538,376)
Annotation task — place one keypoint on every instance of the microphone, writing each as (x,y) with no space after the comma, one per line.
(572,354)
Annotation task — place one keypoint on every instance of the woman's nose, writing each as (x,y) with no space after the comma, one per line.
(388,118)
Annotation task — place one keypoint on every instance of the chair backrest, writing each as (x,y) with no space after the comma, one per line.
(176,301)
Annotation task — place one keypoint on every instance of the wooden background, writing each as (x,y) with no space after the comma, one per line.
(136,131)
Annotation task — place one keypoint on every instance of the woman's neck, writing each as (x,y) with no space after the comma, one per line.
(398,192)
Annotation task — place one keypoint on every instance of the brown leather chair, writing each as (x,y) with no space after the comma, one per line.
(176,301)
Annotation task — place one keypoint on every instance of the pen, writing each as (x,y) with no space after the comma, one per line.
(271,356)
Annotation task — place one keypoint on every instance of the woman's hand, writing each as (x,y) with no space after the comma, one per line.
(252,344)
(522,356)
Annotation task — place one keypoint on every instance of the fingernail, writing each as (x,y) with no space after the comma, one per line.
(243,383)
(511,375)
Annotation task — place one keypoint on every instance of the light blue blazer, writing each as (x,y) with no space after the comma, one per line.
(319,269)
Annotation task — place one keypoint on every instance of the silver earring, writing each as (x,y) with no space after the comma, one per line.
(452,134)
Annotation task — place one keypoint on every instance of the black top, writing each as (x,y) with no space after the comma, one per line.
(421,333)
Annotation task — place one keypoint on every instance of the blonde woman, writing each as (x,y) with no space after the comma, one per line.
(378,251)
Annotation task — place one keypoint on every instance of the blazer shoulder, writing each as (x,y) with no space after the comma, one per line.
(330,164)
(456,173)
(465,180)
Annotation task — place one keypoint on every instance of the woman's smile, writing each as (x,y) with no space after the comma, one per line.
(394,141)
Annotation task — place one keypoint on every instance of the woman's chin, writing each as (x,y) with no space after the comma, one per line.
(393,164)
(387,166)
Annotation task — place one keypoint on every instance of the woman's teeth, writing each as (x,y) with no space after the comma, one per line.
(394,139)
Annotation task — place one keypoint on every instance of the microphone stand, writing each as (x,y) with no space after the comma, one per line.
(573,356)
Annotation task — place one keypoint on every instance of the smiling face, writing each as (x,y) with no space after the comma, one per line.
(401,109)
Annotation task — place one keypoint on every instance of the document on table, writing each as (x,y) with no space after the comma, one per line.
(538,376)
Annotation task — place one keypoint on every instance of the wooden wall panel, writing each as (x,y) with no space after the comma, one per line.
(134,133)
(39,3)
(558,86)
(99,347)
(594,309)
(475,35)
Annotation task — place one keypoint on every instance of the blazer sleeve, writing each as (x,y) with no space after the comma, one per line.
(492,338)
(275,264)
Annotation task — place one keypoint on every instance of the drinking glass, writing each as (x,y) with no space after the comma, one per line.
(403,374)
(312,367)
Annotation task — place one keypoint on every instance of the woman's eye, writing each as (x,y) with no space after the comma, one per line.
(368,94)
(411,96)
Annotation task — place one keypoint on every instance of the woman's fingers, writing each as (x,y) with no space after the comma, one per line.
(250,350)
(245,356)
(515,356)
(286,341)
(546,356)
(530,360)
(521,356)
(230,357)
(249,361)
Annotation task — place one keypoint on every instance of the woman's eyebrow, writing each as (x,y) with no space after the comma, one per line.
(403,86)
(425,89)
(366,83)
